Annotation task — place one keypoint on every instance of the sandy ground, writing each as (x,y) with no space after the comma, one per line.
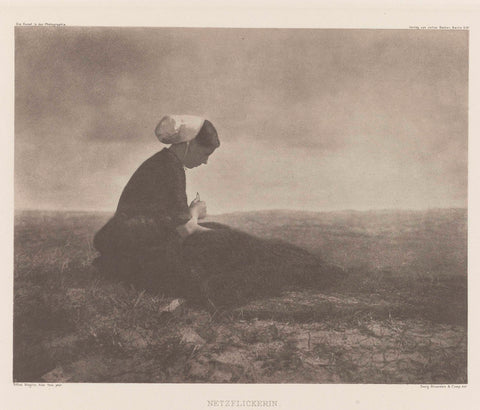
(402,322)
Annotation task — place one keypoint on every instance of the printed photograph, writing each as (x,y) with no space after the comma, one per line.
(226,205)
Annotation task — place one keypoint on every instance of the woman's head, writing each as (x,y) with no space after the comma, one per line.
(207,136)
(201,147)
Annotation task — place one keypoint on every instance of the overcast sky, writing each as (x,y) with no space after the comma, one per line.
(308,119)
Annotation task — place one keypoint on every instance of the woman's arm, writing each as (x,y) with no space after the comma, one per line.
(198,209)
(190,227)
(185,217)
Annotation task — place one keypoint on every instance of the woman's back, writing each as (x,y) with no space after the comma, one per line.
(156,189)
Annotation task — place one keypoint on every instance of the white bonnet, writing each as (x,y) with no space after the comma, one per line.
(173,129)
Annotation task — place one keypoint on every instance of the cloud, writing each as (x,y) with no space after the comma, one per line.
(369,113)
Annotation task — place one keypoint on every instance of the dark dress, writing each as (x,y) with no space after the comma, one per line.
(220,267)
(140,243)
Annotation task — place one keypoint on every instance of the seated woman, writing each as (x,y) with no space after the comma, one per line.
(155,241)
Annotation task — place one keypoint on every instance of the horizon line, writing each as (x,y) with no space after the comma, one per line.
(255,210)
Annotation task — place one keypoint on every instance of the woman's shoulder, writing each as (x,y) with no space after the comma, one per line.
(164,163)
(160,156)
(163,158)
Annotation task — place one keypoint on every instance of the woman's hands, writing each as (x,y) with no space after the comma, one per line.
(198,209)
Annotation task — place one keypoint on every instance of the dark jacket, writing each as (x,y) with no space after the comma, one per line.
(151,206)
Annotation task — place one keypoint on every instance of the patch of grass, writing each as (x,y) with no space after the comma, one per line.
(284,359)
(439,298)
(66,316)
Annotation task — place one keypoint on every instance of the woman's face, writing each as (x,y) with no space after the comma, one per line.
(197,155)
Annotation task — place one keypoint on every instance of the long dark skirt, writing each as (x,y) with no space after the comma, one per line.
(138,251)
(221,267)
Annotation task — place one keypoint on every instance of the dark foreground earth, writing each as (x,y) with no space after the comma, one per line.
(400,316)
